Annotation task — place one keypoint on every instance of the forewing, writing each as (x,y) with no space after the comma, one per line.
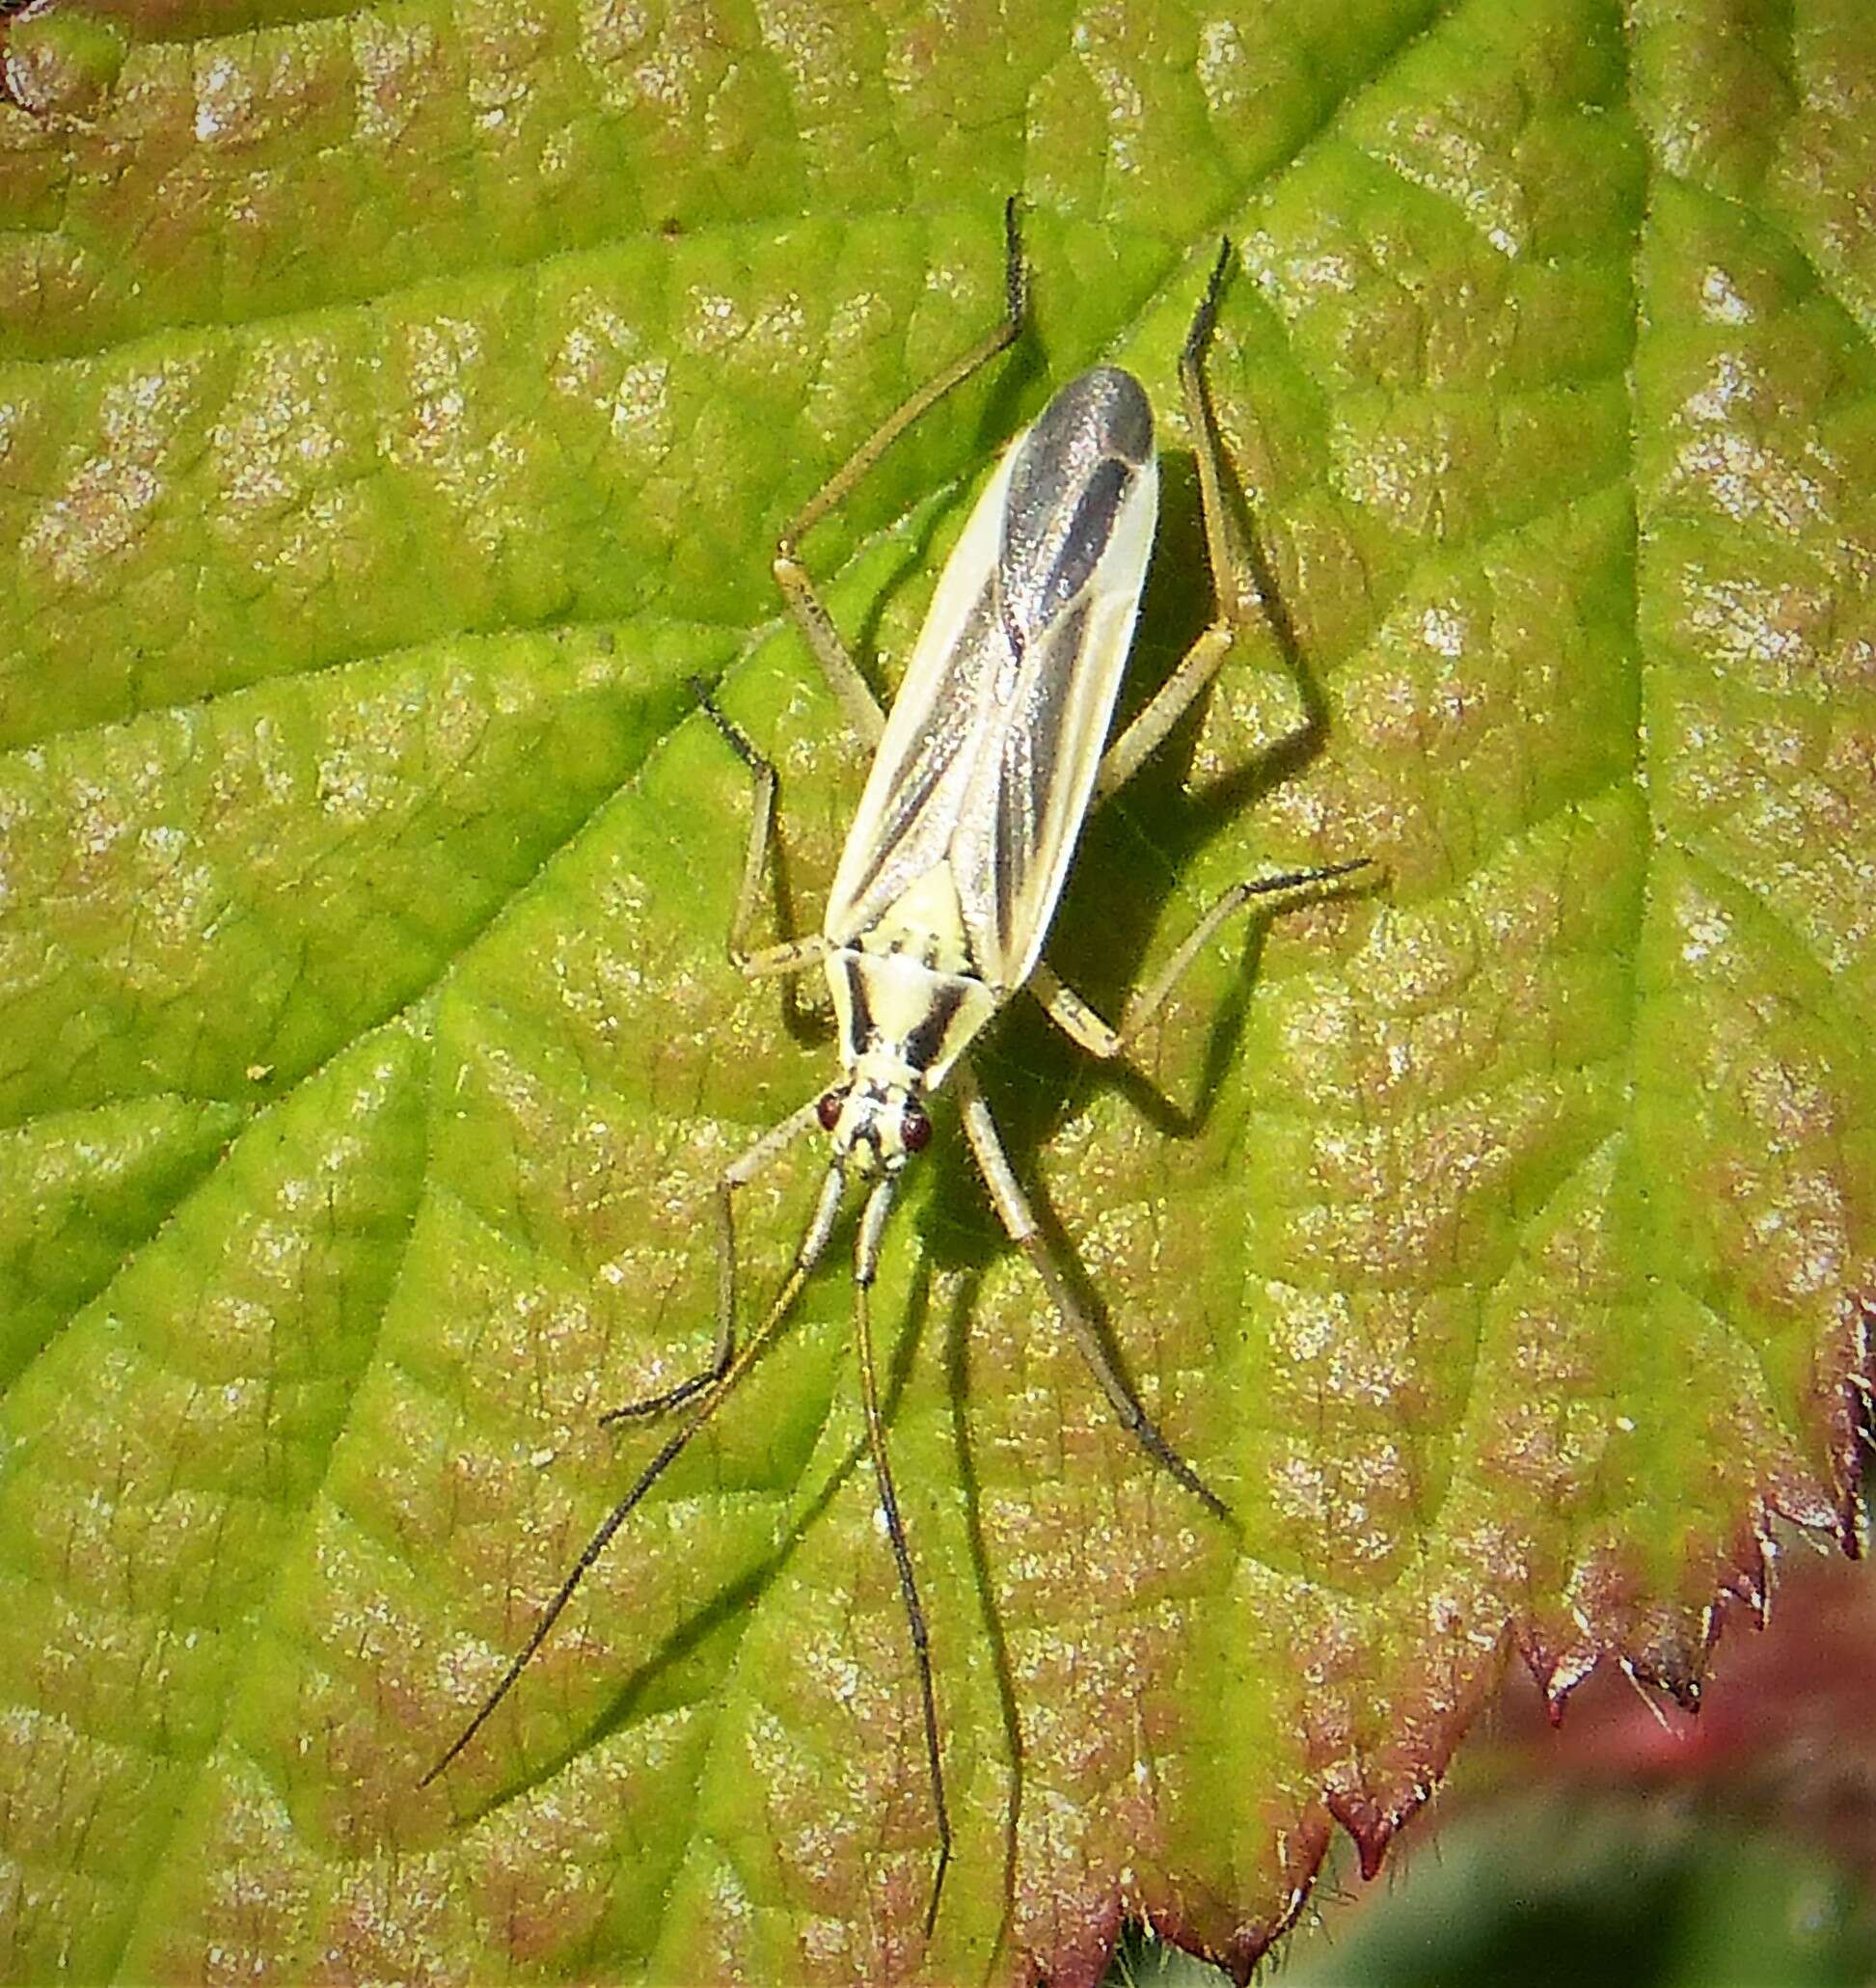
(1021,813)
(991,750)
(947,708)
(1078,533)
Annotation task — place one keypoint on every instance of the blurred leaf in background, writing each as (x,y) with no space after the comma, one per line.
(1729,1849)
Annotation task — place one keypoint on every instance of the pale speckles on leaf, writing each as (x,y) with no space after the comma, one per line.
(1226,74)
(1316,1028)
(1121,1236)
(1722,300)
(356,779)
(224,101)
(607,362)
(1404,1194)
(1494,1552)
(1706,930)
(827,1657)
(408,1931)
(279,1249)
(1428,1058)
(1543,1445)
(559,1337)
(439,355)
(1734,384)
(813,44)
(503,41)
(1292,278)
(1767,633)
(1419,957)
(826,1939)
(96,821)
(98,519)
(1519,911)
(1789,1104)
(1110,69)
(854,323)
(1398,475)
(949,280)
(394,58)
(642,410)
(444,437)
(636,60)
(779,332)
(175,897)
(1445,629)
(1753,481)
(1384,709)
(713,322)
(1353,1503)
(1430,687)
(275,440)
(1469,169)
(1250,713)
(612,30)
(728,1897)
(1323,1347)
(1802,1235)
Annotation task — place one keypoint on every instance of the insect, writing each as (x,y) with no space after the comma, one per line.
(996,748)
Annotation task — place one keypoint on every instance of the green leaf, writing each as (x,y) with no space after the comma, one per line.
(397,408)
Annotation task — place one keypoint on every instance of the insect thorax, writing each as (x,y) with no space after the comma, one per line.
(906,1004)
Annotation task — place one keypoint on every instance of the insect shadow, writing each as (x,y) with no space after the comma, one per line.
(1105,936)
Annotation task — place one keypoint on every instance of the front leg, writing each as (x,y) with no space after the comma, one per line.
(706,1393)
(775,1142)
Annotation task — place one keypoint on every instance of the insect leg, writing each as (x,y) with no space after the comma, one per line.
(1012,1210)
(739,1174)
(1235,591)
(812,1245)
(1077,1020)
(792,955)
(865,1264)
(816,624)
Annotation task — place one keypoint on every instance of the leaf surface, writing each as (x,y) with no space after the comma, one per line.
(397,408)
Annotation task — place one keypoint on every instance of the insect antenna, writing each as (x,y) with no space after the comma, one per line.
(813,1243)
(879,1205)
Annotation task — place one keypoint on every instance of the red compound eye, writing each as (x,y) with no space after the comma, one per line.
(916,1130)
(828,1110)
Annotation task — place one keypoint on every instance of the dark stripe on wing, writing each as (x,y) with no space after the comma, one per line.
(1066,490)
(1028,773)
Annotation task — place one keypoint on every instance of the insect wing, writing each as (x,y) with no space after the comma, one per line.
(1077,534)
(909,810)
(991,750)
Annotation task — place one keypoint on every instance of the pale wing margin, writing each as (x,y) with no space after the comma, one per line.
(991,751)
(933,734)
